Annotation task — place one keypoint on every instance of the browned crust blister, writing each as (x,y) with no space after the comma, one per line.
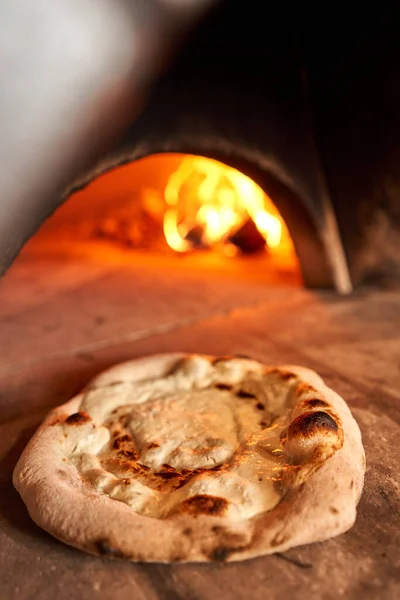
(320,483)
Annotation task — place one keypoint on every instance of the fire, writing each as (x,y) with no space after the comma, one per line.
(210,201)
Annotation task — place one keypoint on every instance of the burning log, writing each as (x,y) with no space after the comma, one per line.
(247,238)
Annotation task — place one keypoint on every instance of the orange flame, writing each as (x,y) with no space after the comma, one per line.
(203,192)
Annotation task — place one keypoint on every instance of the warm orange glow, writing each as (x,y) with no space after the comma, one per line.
(179,202)
(207,194)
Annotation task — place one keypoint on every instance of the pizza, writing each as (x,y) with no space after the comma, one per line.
(181,457)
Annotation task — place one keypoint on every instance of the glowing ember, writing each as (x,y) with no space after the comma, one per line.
(206,196)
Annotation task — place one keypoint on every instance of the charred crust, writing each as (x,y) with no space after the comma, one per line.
(79,418)
(121,440)
(260,406)
(223,386)
(263,424)
(309,423)
(216,468)
(168,467)
(104,548)
(221,553)
(316,403)
(152,445)
(128,454)
(244,394)
(203,504)
(167,474)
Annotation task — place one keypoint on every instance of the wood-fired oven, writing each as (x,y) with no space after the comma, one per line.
(249,204)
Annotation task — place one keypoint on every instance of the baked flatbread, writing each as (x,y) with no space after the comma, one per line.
(195,458)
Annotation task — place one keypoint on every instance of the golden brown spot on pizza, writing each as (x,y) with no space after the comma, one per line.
(260,406)
(229,357)
(244,394)
(309,423)
(203,504)
(286,375)
(315,403)
(121,440)
(351,484)
(187,531)
(223,386)
(217,528)
(272,371)
(219,359)
(168,467)
(79,418)
(263,424)
(105,548)
(166,479)
(334,510)
(152,445)
(279,539)
(129,454)
(304,388)
(176,367)
(176,558)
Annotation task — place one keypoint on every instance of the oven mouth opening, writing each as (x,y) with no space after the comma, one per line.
(172,208)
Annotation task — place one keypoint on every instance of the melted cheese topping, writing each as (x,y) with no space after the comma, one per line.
(206,429)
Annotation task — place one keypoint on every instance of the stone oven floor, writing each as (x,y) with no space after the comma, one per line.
(62,321)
